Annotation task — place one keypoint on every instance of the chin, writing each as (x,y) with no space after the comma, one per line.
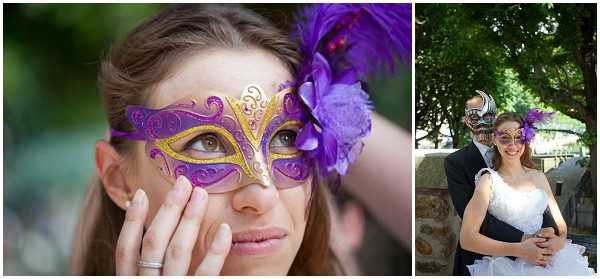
(257,266)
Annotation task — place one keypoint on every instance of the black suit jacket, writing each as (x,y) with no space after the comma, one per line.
(461,168)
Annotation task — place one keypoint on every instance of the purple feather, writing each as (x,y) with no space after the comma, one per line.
(362,37)
(535,115)
(340,43)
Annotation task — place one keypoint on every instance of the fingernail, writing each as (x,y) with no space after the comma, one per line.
(198,195)
(180,184)
(138,199)
(222,232)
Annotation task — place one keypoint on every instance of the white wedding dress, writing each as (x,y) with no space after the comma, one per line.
(524,211)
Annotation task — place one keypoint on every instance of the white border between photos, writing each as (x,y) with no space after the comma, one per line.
(412,144)
(413,98)
(2,139)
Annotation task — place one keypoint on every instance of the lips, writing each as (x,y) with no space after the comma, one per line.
(258,242)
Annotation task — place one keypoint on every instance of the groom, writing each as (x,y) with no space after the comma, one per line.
(461,167)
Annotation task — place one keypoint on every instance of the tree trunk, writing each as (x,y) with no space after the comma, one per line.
(593,166)
(455,138)
(588,67)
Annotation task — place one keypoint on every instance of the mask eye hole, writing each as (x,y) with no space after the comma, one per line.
(505,139)
(207,145)
(283,142)
(204,143)
(519,139)
(489,117)
(474,117)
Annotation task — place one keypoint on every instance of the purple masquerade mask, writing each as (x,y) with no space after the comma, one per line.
(510,136)
(222,143)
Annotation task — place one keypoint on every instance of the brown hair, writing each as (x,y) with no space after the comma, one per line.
(526,157)
(127,76)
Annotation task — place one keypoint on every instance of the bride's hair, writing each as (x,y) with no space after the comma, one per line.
(127,76)
(526,157)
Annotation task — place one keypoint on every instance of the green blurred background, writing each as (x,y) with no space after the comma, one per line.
(53,116)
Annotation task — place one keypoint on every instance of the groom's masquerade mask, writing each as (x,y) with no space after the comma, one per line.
(480,119)
(222,143)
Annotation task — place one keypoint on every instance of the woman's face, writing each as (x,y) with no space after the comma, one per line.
(249,208)
(508,139)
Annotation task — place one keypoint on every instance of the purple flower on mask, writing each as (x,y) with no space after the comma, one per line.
(528,133)
(533,116)
(341,110)
(340,43)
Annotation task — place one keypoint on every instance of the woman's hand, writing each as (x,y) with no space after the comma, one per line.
(531,253)
(171,236)
(552,241)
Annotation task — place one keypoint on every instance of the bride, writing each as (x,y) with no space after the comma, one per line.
(518,194)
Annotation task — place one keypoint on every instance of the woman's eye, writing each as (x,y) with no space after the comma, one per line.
(206,143)
(284,138)
(283,142)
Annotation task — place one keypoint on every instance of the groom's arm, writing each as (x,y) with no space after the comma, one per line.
(549,222)
(461,192)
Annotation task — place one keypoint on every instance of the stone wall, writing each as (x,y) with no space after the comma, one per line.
(436,223)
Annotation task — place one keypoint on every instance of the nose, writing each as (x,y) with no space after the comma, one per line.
(255,199)
(260,170)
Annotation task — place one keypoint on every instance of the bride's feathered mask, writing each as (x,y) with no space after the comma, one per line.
(341,44)
(221,143)
(532,117)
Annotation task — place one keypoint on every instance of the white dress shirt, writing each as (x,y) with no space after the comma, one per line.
(486,152)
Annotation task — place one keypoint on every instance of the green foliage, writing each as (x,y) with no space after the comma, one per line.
(517,97)
(551,48)
(451,63)
(392,96)
(525,55)
(51,58)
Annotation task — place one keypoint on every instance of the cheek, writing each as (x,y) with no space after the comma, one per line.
(499,146)
(295,201)
(522,149)
(149,178)
(217,210)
